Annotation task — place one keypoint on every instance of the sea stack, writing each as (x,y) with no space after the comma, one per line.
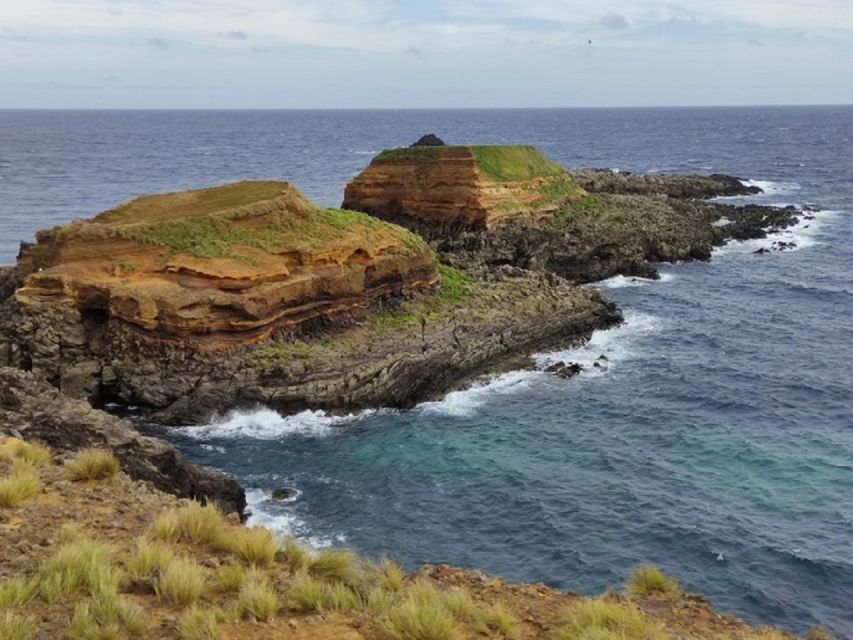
(478,186)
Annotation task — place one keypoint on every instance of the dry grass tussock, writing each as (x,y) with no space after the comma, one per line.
(92,464)
(648,580)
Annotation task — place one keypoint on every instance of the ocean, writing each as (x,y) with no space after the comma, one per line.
(717,445)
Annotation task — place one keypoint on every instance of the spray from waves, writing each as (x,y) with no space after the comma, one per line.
(266,424)
(804,234)
(772,188)
(283,519)
(618,345)
(466,402)
(620,282)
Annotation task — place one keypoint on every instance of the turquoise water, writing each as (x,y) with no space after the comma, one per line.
(718,444)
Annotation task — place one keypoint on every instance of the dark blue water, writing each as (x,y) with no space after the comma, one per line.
(718,445)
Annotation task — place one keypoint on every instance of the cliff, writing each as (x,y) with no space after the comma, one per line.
(90,553)
(461,186)
(226,263)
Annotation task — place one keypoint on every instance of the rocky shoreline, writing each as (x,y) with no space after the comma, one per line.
(478,300)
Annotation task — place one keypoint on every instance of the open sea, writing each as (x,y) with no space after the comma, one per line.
(717,445)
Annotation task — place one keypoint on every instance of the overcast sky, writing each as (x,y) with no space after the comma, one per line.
(423,53)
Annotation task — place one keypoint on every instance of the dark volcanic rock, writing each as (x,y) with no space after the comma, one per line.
(563,370)
(35,410)
(676,186)
(429,140)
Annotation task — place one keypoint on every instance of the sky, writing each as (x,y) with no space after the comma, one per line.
(423,53)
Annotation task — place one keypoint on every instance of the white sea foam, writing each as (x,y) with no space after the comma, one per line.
(804,234)
(620,282)
(467,401)
(284,520)
(266,424)
(617,344)
(771,188)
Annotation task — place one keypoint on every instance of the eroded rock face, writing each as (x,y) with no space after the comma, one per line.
(33,409)
(461,186)
(225,264)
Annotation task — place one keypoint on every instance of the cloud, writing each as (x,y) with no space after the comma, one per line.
(9,34)
(235,35)
(755,42)
(414,51)
(613,21)
(158,43)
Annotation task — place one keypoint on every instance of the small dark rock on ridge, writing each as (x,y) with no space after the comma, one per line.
(429,140)
(564,370)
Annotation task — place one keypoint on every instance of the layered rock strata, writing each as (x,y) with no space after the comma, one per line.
(477,187)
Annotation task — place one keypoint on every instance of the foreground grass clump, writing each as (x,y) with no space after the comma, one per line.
(198,624)
(257,599)
(601,619)
(149,556)
(16,627)
(502,620)
(388,574)
(21,485)
(182,582)
(337,565)
(81,565)
(229,577)
(193,523)
(309,594)
(254,545)
(648,580)
(293,555)
(16,591)
(92,464)
(105,616)
(30,453)
(415,619)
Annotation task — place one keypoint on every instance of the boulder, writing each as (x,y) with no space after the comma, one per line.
(429,140)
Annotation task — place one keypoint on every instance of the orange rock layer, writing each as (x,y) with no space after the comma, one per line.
(474,186)
(236,260)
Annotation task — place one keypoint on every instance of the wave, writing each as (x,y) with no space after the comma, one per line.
(770,187)
(282,519)
(267,424)
(620,282)
(804,234)
(466,402)
(617,345)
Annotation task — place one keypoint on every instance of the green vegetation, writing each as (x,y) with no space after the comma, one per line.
(647,580)
(148,558)
(16,591)
(257,599)
(92,464)
(336,565)
(81,565)
(420,620)
(192,523)
(198,624)
(20,485)
(509,163)
(502,620)
(182,582)
(30,453)
(603,619)
(229,577)
(456,285)
(255,545)
(293,555)
(221,235)
(16,627)
(423,157)
(166,206)
(388,574)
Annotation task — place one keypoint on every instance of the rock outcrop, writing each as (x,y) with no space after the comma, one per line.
(450,187)
(227,263)
(34,410)
(676,186)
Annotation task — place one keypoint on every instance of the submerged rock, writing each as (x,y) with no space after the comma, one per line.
(563,370)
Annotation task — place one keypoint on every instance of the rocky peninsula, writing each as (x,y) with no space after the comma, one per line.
(444,264)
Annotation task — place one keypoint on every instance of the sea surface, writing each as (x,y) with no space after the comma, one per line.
(718,444)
